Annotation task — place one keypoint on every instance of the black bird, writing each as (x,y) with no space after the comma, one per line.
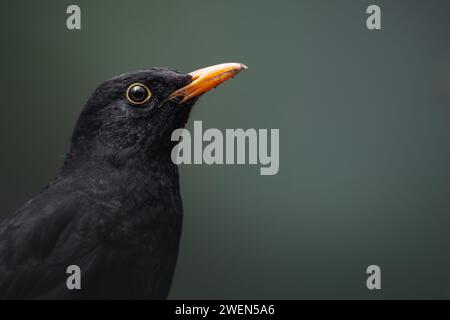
(115,208)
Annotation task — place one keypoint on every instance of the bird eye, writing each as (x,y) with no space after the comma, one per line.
(138,93)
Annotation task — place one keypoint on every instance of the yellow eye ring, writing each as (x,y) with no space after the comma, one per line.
(138,93)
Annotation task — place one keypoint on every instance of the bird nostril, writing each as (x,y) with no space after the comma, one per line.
(177,98)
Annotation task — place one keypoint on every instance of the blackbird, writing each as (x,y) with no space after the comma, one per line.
(114,209)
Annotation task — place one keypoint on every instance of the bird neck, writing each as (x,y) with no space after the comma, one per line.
(152,162)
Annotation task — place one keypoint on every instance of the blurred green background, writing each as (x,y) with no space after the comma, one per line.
(364,119)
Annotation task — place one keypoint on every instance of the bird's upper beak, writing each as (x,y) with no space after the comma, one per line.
(206,79)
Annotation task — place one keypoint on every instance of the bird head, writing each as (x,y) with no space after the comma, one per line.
(133,115)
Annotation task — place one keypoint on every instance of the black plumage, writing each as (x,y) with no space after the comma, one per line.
(114,209)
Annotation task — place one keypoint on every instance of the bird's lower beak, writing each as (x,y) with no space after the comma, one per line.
(206,79)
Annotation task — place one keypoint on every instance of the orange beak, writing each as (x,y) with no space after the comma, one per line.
(206,79)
